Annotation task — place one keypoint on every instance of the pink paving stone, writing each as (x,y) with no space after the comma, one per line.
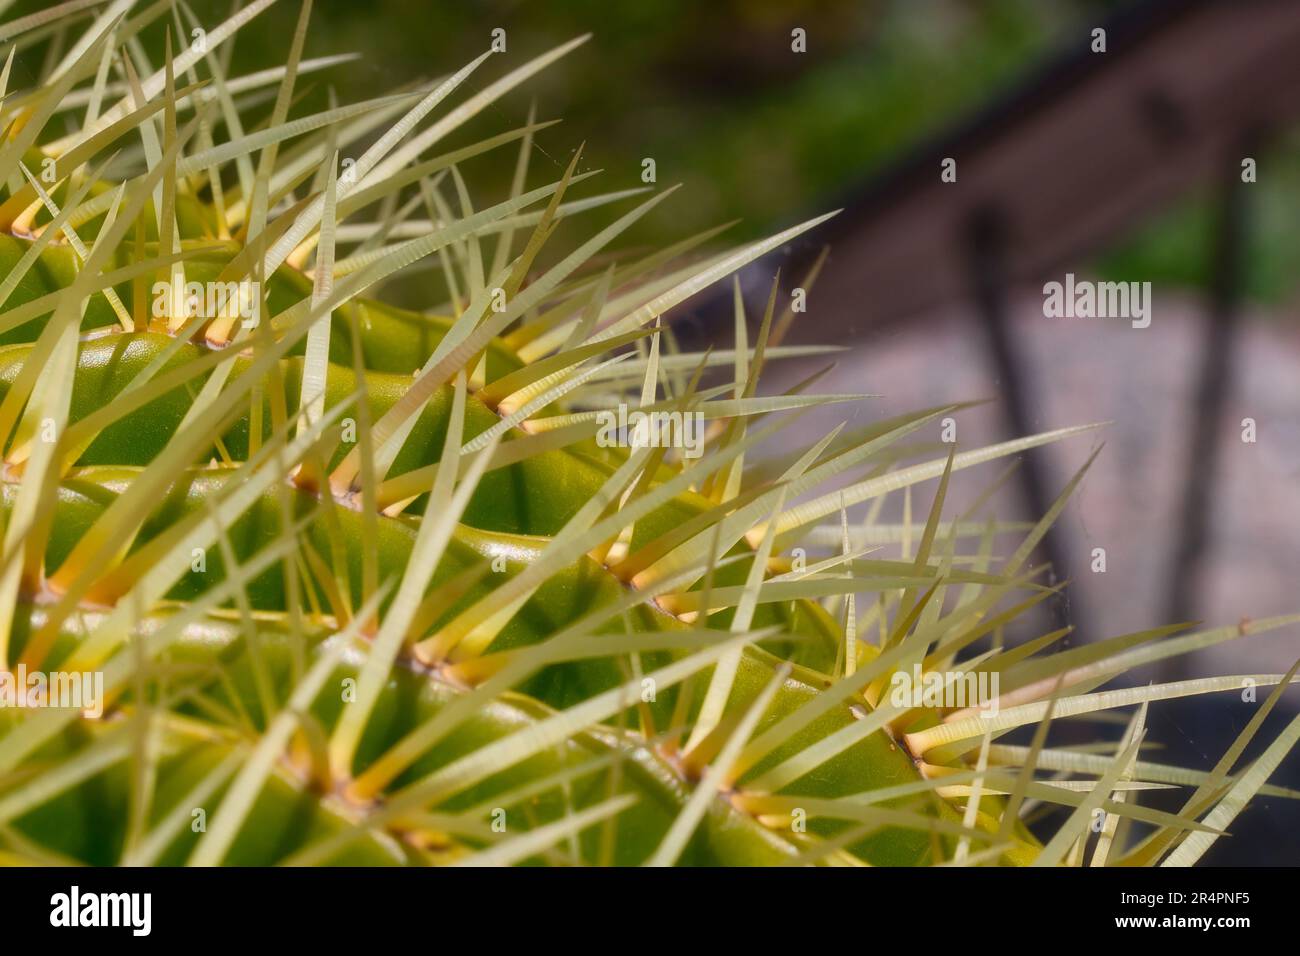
(1141,380)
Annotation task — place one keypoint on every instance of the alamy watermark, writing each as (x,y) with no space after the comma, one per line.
(70,690)
(622,428)
(1084,299)
(949,689)
(133,911)
(209,300)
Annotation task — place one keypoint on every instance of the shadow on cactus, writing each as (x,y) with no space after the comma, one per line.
(320,609)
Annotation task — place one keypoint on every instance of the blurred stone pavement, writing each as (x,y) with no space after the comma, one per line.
(1140,381)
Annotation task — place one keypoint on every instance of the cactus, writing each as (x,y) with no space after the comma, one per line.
(343,582)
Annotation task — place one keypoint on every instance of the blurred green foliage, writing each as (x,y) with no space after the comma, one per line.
(1176,247)
(713,92)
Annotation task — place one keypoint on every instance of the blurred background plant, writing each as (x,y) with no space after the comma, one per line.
(713,93)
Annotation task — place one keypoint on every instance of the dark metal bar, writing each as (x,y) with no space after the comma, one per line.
(986,241)
(1212,389)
